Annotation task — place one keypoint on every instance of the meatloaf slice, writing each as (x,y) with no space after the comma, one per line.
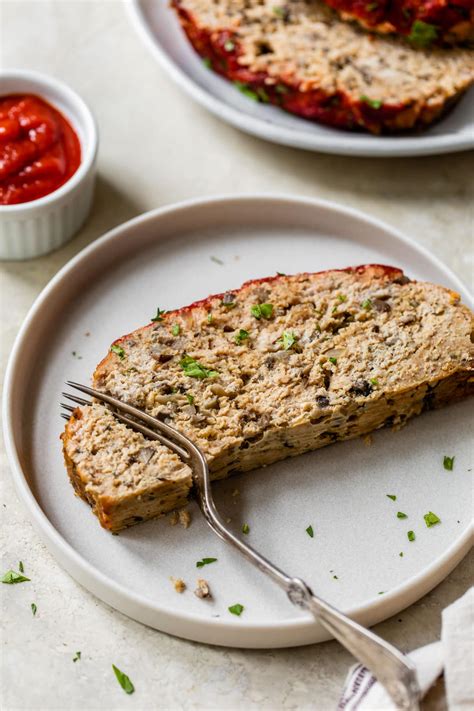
(301,57)
(424,22)
(278,367)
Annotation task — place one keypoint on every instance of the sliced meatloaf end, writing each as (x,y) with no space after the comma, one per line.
(302,58)
(281,366)
(424,22)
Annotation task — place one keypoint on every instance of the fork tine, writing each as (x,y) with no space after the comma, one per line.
(65,417)
(69,408)
(136,413)
(76,399)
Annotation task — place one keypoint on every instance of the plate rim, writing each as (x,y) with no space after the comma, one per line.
(341,144)
(236,633)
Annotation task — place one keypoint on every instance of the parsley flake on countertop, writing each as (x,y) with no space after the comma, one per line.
(411,535)
(33,608)
(400,514)
(76,657)
(391,496)
(246,528)
(242,335)
(118,350)
(236,609)
(310,531)
(123,680)
(431,519)
(448,463)
(11,577)
(262,311)
(205,561)
(195,370)
(159,315)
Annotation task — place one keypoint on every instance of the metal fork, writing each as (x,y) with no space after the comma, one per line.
(392,668)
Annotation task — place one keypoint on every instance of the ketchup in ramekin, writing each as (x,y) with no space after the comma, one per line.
(39,149)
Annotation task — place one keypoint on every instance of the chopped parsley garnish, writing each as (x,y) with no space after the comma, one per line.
(205,561)
(333,360)
(342,298)
(11,577)
(228,304)
(246,528)
(281,274)
(431,519)
(373,103)
(391,496)
(209,317)
(159,315)
(411,535)
(310,531)
(246,90)
(374,381)
(422,33)
(207,62)
(118,350)
(401,554)
(287,340)
(367,304)
(262,311)
(229,46)
(190,398)
(175,329)
(400,514)
(21,567)
(236,609)
(242,335)
(123,680)
(76,657)
(195,370)
(382,592)
(335,577)
(217,260)
(448,463)
(33,608)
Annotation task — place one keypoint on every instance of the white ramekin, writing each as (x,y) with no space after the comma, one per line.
(37,227)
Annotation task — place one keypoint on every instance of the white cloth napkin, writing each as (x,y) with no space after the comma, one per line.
(454,654)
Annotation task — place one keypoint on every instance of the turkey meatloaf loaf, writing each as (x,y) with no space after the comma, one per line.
(424,22)
(303,58)
(279,367)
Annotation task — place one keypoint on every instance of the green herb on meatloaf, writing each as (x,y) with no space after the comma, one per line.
(262,311)
(288,339)
(332,360)
(241,336)
(373,103)
(175,329)
(159,315)
(367,304)
(195,370)
(422,34)
(118,350)
(123,680)
(229,46)
(246,90)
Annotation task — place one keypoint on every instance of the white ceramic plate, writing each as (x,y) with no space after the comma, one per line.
(164,258)
(159,28)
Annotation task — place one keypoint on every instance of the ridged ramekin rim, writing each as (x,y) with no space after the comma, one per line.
(89,146)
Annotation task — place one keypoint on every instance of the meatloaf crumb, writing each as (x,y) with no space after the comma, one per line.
(178,584)
(202,591)
(340,368)
(301,57)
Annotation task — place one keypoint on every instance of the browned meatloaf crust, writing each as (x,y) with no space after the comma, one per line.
(278,367)
(424,22)
(304,59)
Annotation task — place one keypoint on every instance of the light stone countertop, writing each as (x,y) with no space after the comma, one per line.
(157,147)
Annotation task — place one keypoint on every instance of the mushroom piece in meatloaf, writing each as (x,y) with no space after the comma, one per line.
(301,57)
(281,366)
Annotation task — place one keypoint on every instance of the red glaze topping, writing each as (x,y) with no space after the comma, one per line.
(39,149)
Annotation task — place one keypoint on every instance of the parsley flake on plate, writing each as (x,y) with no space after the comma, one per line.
(262,311)
(236,609)
(207,62)
(310,531)
(205,561)
(11,577)
(448,463)
(246,528)
(431,519)
(216,260)
(159,315)
(33,608)
(118,350)
(400,514)
(76,657)
(411,535)
(21,567)
(391,496)
(123,680)
(194,369)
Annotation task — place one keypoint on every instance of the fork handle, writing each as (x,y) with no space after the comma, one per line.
(391,668)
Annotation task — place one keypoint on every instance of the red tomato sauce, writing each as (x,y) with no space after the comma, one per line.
(39,149)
